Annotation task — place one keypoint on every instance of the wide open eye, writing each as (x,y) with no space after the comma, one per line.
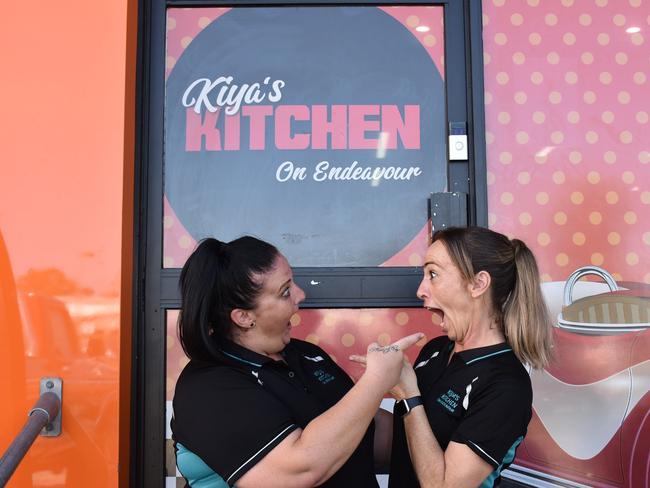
(432,275)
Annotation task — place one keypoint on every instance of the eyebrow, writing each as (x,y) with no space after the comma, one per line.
(434,263)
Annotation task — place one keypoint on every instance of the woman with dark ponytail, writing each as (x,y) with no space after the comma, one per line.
(254,407)
(464,407)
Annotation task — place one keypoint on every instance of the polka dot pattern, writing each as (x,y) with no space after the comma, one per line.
(574,86)
(182,27)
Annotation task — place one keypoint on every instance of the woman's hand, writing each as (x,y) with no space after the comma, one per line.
(386,363)
(311,456)
(407,386)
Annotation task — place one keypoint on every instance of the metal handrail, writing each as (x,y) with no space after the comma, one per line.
(45,411)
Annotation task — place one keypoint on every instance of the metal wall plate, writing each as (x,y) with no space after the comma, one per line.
(448,209)
(54,385)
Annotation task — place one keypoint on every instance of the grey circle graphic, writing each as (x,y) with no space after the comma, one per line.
(325,56)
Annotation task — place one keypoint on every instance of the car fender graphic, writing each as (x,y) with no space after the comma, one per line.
(582,419)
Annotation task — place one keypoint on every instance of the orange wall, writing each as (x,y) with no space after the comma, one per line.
(63,96)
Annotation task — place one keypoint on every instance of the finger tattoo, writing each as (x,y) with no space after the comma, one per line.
(385,349)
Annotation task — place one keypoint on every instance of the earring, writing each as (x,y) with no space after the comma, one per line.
(252,324)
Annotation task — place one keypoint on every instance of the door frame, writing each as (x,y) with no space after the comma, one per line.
(156,288)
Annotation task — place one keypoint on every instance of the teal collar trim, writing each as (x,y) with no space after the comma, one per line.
(240,359)
(488,355)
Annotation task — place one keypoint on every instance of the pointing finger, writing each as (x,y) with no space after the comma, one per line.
(372,346)
(408,341)
(357,359)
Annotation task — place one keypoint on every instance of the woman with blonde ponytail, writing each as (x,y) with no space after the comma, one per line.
(464,407)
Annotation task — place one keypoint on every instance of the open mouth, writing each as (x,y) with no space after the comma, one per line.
(438,315)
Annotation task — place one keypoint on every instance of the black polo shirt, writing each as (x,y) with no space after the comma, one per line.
(481,398)
(235,410)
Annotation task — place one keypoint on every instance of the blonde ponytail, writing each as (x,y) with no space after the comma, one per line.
(526,320)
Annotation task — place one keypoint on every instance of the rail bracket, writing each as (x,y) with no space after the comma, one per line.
(53,385)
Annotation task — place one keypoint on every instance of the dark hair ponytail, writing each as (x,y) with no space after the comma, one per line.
(217,278)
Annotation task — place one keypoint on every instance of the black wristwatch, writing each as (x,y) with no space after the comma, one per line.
(403,407)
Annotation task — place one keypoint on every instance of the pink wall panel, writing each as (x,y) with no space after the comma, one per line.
(567,103)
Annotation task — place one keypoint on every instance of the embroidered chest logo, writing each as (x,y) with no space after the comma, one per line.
(323,376)
(449,400)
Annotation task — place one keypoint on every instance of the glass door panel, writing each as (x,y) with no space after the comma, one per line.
(319,129)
